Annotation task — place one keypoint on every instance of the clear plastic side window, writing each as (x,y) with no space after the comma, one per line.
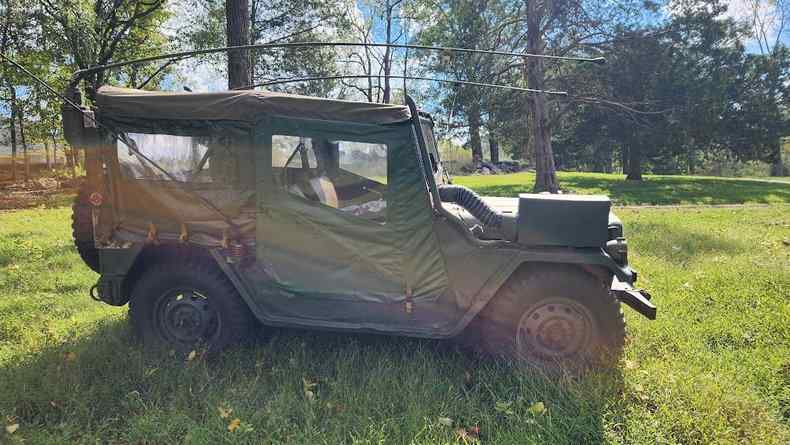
(202,159)
(345,175)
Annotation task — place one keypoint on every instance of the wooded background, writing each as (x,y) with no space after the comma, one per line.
(690,85)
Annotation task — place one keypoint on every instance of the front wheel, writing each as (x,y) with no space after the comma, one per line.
(188,305)
(554,317)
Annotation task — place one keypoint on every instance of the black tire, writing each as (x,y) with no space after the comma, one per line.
(82,229)
(188,305)
(553,318)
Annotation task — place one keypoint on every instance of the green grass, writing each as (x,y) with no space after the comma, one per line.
(714,368)
(657,190)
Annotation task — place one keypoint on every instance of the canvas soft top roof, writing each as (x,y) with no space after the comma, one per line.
(243,105)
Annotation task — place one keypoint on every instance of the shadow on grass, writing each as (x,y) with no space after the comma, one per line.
(658,190)
(661,190)
(100,385)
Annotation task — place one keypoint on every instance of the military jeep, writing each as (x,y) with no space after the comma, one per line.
(212,214)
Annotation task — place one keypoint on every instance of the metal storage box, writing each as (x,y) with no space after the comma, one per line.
(563,220)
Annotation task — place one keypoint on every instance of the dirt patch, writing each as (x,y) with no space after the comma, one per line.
(44,191)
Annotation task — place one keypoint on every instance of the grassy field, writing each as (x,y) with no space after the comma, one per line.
(714,368)
(657,190)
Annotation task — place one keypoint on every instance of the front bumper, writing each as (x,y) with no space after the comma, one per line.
(637,299)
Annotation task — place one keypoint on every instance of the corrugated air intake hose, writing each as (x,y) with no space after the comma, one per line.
(473,204)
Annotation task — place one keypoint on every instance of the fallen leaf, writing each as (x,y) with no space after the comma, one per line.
(307,388)
(336,407)
(465,437)
(446,421)
(234,425)
(537,408)
(11,429)
(224,412)
(467,378)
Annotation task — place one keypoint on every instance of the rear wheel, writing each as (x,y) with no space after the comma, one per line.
(82,229)
(554,317)
(188,305)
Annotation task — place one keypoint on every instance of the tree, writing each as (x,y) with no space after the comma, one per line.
(757,120)
(97,32)
(768,21)
(237,17)
(679,91)
(271,21)
(545,171)
(481,24)
(15,36)
(566,28)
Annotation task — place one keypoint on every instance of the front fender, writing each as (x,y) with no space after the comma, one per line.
(575,256)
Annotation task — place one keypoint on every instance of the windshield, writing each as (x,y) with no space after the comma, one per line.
(440,175)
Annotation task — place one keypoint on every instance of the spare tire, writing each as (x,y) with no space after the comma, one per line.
(82,229)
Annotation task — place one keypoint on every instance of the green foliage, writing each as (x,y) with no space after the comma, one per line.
(273,21)
(678,92)
(87,33)
(711,369)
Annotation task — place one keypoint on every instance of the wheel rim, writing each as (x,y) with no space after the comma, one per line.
(554,329)
(186,317)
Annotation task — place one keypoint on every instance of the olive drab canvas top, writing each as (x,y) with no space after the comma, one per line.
(240,106)
(304,248)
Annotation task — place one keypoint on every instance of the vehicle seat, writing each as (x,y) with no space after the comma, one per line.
(324,189)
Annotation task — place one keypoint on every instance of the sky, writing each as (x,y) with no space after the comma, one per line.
(204,78)
(742,10)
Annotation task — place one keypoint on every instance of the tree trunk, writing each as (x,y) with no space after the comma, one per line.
(369,73)
(777,167)
(46,153)
(690,159)
(493,147)
(237,18)
(545,170)
(624,158)
(634,164)
(54,150)
(388,54)
(12,128)
(475,142)
(21,119)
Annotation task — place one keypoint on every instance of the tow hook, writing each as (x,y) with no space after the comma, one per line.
(637,299)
